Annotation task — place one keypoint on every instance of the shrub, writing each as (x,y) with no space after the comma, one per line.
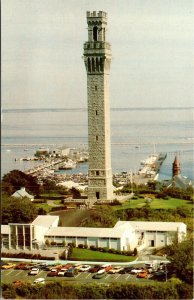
(100,249)
(92,247)
(112,250)
(86,246)
(135,252)
(105,249)
(80,246)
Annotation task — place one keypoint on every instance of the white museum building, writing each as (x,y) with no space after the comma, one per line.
(125,235)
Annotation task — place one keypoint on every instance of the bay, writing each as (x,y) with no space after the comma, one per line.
(135,134)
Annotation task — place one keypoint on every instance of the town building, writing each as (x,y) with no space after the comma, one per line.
(97,58)
(125,235)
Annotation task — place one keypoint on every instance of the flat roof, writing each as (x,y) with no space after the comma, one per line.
(153,226)
(45,220)
(4,229)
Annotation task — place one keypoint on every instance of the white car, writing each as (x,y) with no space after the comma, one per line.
(84,268)
(136,271)
(39,280)
(34,271)
(61,273)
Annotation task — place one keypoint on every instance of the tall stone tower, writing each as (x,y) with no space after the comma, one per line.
(97,58)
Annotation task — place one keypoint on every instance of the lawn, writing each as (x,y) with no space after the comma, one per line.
(90,255)
(155,203)
(45,206)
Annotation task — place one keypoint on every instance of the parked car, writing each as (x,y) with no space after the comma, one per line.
(136,270)
(34,271)
(95,269)
(71,272)
(66,267)
(8,266)
(22,266)
(160,275)
(107,267)
(125,270)
(39,281)
(142,274)
(53,272)
(61,273)
(85,268)
(77,266)
(115,270)
(99,274)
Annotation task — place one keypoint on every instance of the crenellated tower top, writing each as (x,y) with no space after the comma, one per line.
(97,51)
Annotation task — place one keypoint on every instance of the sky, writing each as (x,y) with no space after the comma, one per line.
(42,50)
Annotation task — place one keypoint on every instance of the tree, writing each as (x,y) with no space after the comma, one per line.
(16,179)
(181,257)
(17,210)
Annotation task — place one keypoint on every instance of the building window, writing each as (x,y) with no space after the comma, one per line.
(96,88)
(95,33)
(96,112)
(97,173)
(96,137)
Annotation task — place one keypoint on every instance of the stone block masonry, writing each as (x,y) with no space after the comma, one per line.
(97,58)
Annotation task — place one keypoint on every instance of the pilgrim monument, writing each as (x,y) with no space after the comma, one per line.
(97,58)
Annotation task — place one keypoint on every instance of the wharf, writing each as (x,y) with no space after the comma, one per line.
(45,166)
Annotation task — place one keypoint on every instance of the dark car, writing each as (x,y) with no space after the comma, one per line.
(71,272)
(160,275)
(125,270)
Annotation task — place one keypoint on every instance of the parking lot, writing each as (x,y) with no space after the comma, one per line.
(9,276)
(84,277)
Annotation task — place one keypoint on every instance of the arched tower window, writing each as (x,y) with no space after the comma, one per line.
(95,33)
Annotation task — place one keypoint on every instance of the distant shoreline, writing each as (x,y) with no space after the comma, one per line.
(84,109)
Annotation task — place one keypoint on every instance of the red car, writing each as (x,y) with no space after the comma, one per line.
(53,272)
(22,266)
(95,269)
(107,267)
(142,274)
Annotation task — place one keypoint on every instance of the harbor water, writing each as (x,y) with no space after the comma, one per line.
(136,133)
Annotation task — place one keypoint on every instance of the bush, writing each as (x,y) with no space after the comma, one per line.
(135,252)
(92,247)
(105,249)
(80,246)
(112,250)
(86,246)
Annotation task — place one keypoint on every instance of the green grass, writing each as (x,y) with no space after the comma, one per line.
(155,203)
(90,255)
(45,206)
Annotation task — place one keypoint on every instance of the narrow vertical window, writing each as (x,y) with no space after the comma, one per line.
(96,112)
(96,87)
(95,33)
(96,137)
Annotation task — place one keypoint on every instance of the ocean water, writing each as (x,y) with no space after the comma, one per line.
(135,134)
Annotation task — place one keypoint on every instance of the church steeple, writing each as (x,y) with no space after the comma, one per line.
(176,169)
